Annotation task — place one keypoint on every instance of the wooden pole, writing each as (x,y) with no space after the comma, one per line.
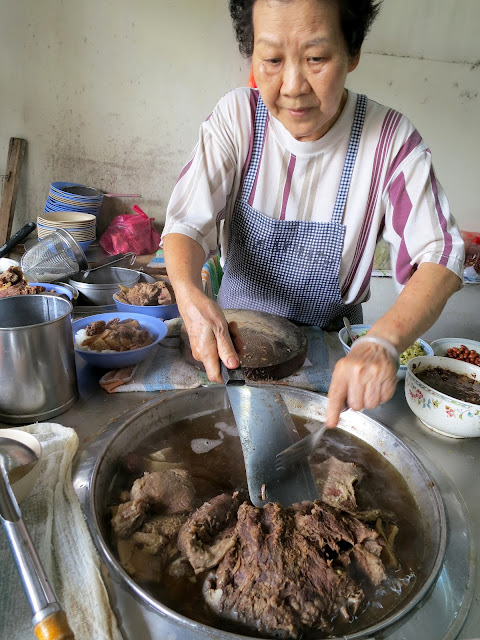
(16,151)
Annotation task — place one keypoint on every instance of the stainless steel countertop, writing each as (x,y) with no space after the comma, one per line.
(459,459)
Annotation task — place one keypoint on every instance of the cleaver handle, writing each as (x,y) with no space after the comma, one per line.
(231,376)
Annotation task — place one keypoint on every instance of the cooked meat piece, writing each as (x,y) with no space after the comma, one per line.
(147,294)
(96,327)
(335,480)
(284,575)
(209,533)
(116,335)
(12,283)
(288,570)
(13,275)
(147,552)
(128,517)
(165,492)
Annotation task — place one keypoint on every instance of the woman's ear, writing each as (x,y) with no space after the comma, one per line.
(352,65)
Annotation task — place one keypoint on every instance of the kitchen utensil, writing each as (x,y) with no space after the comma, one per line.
(265,427)
(49,619)
(17,237)
(348,327)
(110,261)
(22,480)
(37,364)
(301,449)
(98,288)
(273,347)
(55,257)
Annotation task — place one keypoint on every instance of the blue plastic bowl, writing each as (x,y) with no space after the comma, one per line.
(163,311)
(55,287)
(359,329)
(156,327)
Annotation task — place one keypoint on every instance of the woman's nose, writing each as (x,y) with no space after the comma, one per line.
(294,80)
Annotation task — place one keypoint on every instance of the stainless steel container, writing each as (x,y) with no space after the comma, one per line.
(99,286)
(37,359)
(141,615)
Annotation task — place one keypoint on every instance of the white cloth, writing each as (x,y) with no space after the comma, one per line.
(59,533)
(393,191)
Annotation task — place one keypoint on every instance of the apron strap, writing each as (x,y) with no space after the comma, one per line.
(261,118)
(350,158)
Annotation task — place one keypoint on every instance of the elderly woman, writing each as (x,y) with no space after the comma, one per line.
(297,181)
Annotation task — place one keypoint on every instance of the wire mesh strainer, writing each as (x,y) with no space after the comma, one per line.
(55,257)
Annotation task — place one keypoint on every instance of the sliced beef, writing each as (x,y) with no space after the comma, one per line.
(335,481)
(146,294)
(209,533)
(165,492)
(292,570)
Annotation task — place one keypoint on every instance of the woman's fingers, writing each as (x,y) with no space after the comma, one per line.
(365,378)
(209,336)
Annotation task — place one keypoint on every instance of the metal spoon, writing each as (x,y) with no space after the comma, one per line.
(49,619)
(348,327)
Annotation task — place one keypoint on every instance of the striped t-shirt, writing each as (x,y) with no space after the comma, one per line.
(393,194)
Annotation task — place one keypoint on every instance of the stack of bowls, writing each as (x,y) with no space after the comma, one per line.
(71,196)
(81,226)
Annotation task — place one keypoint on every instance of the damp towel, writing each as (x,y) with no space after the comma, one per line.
(57,527)
(165,369)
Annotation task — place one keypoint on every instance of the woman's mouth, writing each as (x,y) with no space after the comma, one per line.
(299,113)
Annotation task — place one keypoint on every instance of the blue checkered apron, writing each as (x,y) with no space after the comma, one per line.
(290,268)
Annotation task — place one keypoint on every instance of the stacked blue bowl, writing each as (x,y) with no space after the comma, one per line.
(72,197)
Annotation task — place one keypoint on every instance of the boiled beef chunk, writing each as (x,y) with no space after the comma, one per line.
(335,481)
(128,517)
(165,492)
(291,570)
(208,533)
(283,578)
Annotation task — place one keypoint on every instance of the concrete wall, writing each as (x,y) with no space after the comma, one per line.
(110,93)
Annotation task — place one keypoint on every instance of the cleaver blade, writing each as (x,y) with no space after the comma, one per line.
(266,428)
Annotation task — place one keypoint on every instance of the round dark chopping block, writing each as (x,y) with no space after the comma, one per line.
(270,347)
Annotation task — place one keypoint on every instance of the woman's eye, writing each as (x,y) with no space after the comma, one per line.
(315,59)
(273,60)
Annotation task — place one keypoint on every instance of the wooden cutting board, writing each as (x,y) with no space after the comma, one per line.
(270,347)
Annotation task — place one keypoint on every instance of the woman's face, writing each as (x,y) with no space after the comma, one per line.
(300,63)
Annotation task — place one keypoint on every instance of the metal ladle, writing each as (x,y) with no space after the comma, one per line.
(348,327)
(49,619)
(109,261)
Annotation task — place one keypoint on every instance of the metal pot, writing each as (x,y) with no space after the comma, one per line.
(37,360)
(142,615)
(99,286)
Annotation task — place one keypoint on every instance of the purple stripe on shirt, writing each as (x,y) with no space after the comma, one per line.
(447,238)
(389,127)
(288,186)
(412,142)
(185,169)
(402,206)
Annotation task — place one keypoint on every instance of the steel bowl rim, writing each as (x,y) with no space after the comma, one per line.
(38,324)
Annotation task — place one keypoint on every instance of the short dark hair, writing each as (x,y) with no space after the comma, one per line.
(356,18)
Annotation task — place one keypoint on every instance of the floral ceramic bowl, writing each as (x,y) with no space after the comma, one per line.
(438,411)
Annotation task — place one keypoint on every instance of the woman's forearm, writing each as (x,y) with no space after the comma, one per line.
(184,259)
(418,306)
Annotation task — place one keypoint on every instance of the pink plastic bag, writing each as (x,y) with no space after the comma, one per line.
(131,233)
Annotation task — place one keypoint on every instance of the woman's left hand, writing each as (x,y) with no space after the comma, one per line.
(365,378)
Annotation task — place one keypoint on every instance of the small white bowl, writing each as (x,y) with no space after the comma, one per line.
(441,346)
(438,411)
(5,263)
(359,329)
(22,487)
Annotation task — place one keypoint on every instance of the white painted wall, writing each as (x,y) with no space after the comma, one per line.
(111,93)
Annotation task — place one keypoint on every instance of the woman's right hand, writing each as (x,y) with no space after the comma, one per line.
(208,333)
